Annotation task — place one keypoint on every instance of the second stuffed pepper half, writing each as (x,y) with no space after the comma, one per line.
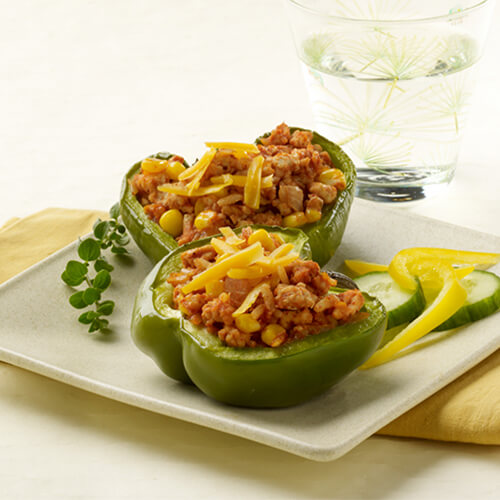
(290,177)
(252,321)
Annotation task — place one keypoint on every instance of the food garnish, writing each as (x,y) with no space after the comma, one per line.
(454,295)
(108,234)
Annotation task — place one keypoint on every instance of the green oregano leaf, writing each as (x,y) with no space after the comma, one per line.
(120,239)
(89,249)
(114,212)
(77,301)
(101,229)
(87,317)
(106,307)
(98,324)
(118,250)
(94,325)
(91,295)
(71,280)
(106,234)
(76,269)
(101,264)
(102,280)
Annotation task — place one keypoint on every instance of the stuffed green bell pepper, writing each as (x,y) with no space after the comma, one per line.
(249,320)
(290,177)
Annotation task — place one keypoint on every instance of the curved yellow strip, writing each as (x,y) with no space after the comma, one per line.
(405,264)
(451,298)
(234,146)
(183,190)
(200,166)
(251,194)
(360,267)
(249,300)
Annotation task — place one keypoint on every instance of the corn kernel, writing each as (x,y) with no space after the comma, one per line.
(247,324)
(174,169)
(273,335)
(263,236)
(203,219)
(172,222)
(294,220)
(332,176)
(214,288)
(153,165)
(313,215)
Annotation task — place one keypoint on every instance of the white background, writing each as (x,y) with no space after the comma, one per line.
(89,87)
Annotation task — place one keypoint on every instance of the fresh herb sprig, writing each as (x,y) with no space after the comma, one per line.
(108,234)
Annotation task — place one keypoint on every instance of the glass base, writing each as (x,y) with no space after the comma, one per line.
(402,188)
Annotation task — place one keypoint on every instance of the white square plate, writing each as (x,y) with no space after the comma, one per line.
(39,332)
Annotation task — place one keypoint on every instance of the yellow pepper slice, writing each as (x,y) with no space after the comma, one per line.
(360,267)
(251,194)
(405,265)
(243,258)
(451,298)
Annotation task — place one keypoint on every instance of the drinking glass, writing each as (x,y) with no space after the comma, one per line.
(391,82)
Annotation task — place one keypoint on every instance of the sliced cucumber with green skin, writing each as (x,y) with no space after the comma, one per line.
(483,299)
(402,305)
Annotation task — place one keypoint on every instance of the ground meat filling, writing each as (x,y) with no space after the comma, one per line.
(289,307)
(300,188)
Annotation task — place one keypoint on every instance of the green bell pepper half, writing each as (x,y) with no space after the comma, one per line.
(324,235)
(260,377)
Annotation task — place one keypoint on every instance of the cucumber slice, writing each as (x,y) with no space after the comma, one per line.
(402,305)
(483,299)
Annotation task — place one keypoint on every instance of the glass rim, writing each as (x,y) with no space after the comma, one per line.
(449,16)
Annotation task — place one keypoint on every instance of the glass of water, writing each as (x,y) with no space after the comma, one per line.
(391,81)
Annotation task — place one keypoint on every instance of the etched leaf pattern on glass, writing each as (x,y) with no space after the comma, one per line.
(397,100)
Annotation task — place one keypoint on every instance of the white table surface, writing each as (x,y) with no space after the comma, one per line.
(87,88)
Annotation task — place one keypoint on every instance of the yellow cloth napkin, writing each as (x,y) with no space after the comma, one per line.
(467,410)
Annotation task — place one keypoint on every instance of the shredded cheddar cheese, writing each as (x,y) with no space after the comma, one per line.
(240,147)
(240,180)
(249,300)
(231,238)
(200,166)
(241,258)
(222,247)
(251,196)
(184,190)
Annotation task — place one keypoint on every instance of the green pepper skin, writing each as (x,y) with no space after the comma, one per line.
(148,235)
(260,377)
(324,235)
